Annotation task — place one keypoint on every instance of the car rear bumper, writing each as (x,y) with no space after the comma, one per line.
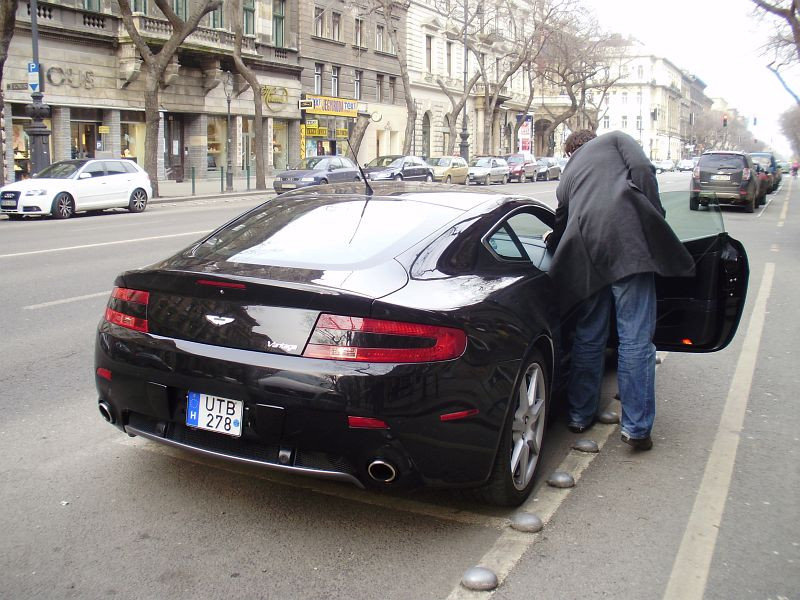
(296,410)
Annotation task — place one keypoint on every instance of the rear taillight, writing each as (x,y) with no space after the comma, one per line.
(128,308)
(745,174)
(360,339)
(696,173)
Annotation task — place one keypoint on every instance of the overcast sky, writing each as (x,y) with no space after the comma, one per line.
(717,40)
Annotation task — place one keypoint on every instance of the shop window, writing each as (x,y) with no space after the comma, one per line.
(359,39)
(278,18)
(335,81)
(379,30)
(319,21)
(336,26)
(357,85)
(317,78)
(249,16)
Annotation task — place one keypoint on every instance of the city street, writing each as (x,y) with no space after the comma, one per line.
(91,513)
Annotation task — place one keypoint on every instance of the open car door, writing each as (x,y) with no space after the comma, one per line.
(701,313)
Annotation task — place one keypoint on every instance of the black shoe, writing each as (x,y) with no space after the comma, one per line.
(574,428)
(644,443)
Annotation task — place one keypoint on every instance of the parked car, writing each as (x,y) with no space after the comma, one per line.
(423,355)
(687,164)
(317,170)
(399,168)
(449,169)
(764,183)
(71,186)
(663,165)
(547,169)
(522,166)
(767,162)
(488,169)
(724,177)
(562,162)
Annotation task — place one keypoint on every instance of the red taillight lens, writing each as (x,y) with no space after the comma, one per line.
(745,174)
(696,173)
(360,339)
(221,284)
(128,308)
(365,423)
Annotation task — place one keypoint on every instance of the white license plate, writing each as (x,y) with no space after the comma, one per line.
(11,203)
(720,178)
(213,413)
(288,185)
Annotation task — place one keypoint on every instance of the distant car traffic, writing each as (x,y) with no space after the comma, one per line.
(399,168)
(449,169)
(767,162)
(316,170)
(547,169)
(488,169)
(724,177)
(687,164)
(522,166)
(663,165)
(71,186)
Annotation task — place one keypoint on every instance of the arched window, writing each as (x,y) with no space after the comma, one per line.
(426,135)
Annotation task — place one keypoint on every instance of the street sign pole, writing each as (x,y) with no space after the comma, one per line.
(37,131)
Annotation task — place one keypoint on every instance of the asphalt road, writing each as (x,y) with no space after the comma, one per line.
(88,512)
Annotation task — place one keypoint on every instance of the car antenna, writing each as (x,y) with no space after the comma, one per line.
(363,175)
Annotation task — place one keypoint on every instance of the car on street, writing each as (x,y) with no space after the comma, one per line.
(768,163)
(547,169)
(69,186)
(764,183)
(488,169)
(392,339)
(449,169)
(724,178)
(687,164)
(522,166)
(663,165)
(316,170)
(399,168)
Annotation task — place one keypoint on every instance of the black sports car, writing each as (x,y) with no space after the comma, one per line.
(401,338)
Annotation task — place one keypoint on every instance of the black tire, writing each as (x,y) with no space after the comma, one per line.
(448,179)
(762,200)
(694,203)
(398,178)
(16,217)
(486,180)
(523,435)
(505,179)
(428,177)
(138,201)
(750,206)
(547,176)
(323,181)
(63,206)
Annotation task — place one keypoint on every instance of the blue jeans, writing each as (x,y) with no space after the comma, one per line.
(634,299)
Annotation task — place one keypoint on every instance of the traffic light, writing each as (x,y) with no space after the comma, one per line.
(724,120)
(755,121)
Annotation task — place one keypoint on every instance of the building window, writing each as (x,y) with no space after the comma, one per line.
(638,97)
(639,123)
(392,49)
(640,72)
(392,89)
(606,122)
(624,97)
(379,88)
(139,6)
(336,26)
(91,5)
(215,19)
(249,17)
(429,53)
(625,122)
(357,85)
(179,6)
(379,38)
(335,81)
(278,16)
(449,59)
(359,39)
(319,23)
(317,78)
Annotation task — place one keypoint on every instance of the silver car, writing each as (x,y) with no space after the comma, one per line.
(547,169)
(488,169)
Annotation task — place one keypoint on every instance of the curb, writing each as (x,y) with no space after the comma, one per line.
(235,194)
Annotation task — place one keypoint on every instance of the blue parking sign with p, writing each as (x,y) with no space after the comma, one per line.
(33,76)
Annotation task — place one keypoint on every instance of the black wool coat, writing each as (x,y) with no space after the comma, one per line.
(609,221)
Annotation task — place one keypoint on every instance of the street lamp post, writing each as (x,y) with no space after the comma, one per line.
(464,145)
(38,111)
(228,88)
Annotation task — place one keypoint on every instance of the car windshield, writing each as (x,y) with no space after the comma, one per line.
(513,160)
(311,163)
(60,170)
(541,162)
(386,161)
(722,161)
(439,162)
(481,162)
(761,160)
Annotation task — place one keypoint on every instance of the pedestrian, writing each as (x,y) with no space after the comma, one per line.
(609,239)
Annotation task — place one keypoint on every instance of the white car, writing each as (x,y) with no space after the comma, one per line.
(687,164)
(71,186)
(488,169)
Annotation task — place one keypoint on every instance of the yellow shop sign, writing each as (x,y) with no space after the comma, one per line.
(326,105)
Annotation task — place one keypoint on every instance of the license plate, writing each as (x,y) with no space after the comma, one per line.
(720,178)
(11,203)
(213,413)
(288,185)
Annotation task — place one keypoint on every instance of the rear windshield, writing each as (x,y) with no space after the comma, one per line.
(761,160)
(722,161)
(512,160)
(324,233)
(435,161)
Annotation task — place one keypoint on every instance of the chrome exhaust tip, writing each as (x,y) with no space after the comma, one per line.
(105,411)
(382,471)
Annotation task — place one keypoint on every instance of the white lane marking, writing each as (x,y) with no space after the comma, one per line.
(692,564)
(510,547)
(65,300)
(100,244)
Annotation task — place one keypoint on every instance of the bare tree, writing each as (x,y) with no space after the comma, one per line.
(237,18)
(8,18)
(790,126)
(529,74)
(156,63)
(784,45)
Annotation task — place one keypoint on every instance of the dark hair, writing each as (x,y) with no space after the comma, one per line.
(578,139)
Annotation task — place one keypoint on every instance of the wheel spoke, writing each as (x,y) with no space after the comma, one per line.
(519,454)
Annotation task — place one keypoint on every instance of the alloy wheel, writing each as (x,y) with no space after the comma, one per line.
(527,427)
(63,207)
(138,201)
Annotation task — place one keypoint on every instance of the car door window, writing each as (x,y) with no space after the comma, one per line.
(115,167)
(521,238)
(95,170)
(691,224)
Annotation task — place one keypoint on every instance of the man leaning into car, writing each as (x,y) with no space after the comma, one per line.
(609,239)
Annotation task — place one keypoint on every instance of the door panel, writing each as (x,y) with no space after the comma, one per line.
(91,192)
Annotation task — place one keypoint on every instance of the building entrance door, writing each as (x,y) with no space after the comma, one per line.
(174,155)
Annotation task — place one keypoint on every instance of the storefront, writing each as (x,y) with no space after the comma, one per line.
(326,125)
(280,144)
(20,142)
(132,134)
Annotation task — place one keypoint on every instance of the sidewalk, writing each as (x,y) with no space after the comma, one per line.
(171,191)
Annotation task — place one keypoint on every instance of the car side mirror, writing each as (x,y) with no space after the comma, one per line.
(85,176)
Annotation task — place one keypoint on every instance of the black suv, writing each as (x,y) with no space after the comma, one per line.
(724,177)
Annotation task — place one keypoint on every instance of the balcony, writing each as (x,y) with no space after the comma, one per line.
(201,38)
(66,19)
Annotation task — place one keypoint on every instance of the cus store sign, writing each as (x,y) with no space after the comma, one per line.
(74,78)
